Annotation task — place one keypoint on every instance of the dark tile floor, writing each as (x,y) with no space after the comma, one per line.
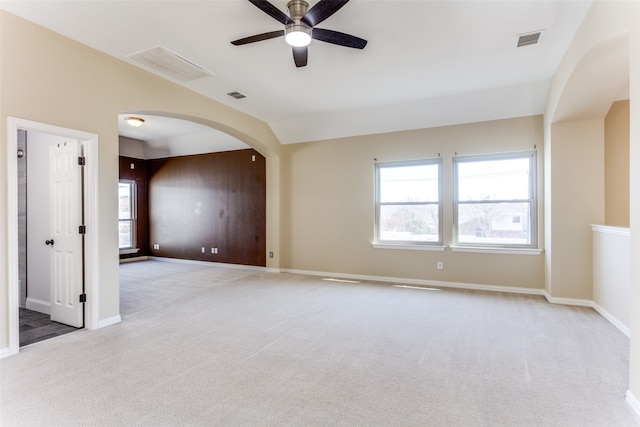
(35,326)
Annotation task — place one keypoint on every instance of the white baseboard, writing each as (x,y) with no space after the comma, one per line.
(612,319)
(634,404)
(211,263)
(109,321)
(568,301)
(587,303)
(5,352)
(420,282)
(133,259)
(39,305)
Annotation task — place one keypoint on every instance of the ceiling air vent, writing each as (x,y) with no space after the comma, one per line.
(236,95)
(169,64)
(529,38)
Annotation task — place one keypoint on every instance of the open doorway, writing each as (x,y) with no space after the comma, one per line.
(67,143)
(50,253)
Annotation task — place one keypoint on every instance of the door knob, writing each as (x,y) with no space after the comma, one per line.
(49,242)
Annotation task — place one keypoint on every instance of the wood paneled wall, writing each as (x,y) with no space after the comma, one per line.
(213,201)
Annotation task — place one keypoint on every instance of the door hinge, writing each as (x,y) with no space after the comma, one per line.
(83,297)
(82,161)
(82,229)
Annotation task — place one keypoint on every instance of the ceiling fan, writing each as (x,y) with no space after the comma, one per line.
(300,27)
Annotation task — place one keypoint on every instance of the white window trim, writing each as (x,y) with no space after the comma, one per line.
(134,216)
(405,244)
(494,250)
(417,247)
(129,251)
(496,247)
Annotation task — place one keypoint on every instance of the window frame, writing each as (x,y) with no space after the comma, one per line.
(532,200)
(408,244)
(133,213)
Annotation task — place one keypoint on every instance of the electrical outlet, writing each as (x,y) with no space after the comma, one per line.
(270,254)
(156,246)
(440,265)
(213,250)
(203,249)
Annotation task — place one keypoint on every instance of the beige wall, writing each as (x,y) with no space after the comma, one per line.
(576,200)
(47,78)
(609,26)
(616,157)
(328,210)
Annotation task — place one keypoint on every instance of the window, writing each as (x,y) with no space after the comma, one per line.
(408,205)
(495,203)
(126,214)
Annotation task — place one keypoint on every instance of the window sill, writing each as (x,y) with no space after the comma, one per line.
(484,250)
(129,251)
(409,247)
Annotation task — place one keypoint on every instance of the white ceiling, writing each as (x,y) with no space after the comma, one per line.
(169,137)
(427,63)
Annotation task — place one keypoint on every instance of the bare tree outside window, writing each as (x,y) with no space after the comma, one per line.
(495,200)
(408,205)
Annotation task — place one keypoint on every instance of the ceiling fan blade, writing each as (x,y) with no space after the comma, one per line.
(272,11)
(258,38)
(338,38)
(321,11)
(300,55)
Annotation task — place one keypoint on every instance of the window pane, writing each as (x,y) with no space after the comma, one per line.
(124,204)
(494,223)
(409,223)
(415,183)
(124,234)
(504,179)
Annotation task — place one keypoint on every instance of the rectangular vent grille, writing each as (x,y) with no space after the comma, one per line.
(529,39)
(236,95)
(169,64)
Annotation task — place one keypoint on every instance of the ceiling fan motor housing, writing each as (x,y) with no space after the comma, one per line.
(297,9)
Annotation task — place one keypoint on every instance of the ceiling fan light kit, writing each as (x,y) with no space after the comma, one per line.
(300,27)
(298,35)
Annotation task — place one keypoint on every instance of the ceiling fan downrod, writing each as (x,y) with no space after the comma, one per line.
(297,9)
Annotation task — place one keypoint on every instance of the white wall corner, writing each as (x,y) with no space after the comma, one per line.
(586,303)
(634,404)
(568,301)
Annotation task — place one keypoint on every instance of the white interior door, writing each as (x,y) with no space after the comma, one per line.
(65,201)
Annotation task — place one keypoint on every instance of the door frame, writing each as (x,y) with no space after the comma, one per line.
(90,143)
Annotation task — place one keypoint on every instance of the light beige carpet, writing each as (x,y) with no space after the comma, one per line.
(201,345)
